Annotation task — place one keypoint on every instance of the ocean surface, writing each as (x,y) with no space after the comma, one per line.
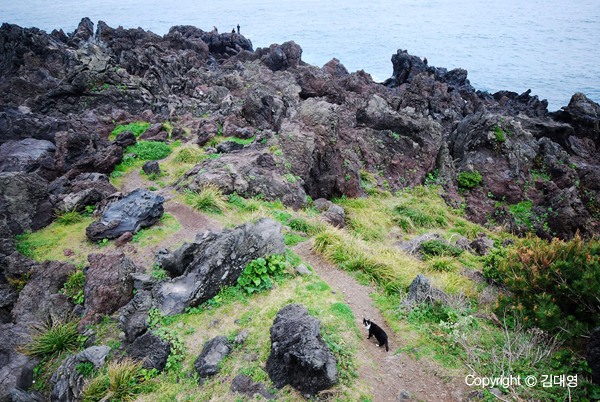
(549,46)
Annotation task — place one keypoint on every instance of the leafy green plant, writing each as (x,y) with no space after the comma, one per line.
(209,199)
(257,275)
(491,265)
(468,180)
(240,140)
(52,339)
(554,284)
(522,213)
(149,150)
(73,288)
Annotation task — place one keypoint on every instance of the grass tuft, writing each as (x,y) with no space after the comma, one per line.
(209,199)
(53,339)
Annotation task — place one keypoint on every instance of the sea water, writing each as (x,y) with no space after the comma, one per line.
(549,46)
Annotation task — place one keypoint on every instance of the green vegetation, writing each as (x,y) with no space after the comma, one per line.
(257,275)
(436,248)
(121,381)
(137,129)
(469,180)
(499,134)
(554,285)
(149,150)
(190,154)
(53,339)
(68,217)
(240,140)
(209,198)
(73,288)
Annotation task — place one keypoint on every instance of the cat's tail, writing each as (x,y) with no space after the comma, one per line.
(386,346)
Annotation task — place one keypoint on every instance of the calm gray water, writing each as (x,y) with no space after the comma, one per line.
(548,46)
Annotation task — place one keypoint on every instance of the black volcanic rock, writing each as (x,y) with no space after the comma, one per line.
(139,209)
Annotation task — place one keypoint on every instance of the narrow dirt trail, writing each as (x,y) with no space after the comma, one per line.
(388,374)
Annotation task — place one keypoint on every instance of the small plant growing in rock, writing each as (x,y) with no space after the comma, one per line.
(136,128)
(257,275)
(121,381)
(499,134)
(68,217)
(469,180)
(73,288)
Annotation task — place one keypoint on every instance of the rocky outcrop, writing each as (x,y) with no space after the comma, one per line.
(250,174)
(16,369)
(24,204)
(137,210)
(213,352)
(108,286)
(41,299)
(212,261)
(316,128)
(299,356)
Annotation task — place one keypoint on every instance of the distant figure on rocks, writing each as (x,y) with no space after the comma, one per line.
(232,30)
(238,27)
(215,29)
(425,60)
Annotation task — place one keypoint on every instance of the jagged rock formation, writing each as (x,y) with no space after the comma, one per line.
(315,128)
(299,356)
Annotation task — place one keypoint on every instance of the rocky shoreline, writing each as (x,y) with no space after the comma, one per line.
(307,131)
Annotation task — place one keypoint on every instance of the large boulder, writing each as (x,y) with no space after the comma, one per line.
(151,350)
(67,382)
(421,291)
(41,298)
(16,369)
(299,356)
(133,317)
(213,352)
(28,155)
(24,204)
(212,261)
(139,209)
(249,173)
(108,286)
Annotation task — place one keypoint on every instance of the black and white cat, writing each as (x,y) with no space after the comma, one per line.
(379,333)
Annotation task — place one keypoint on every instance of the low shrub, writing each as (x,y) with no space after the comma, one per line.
(469,180)
(554,284)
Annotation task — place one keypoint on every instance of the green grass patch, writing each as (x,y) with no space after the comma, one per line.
(209,198)
(149,150)
(136,128)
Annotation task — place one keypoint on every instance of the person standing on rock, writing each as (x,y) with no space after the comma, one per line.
(233,30)
(425,60)
(238,27)
(215,29)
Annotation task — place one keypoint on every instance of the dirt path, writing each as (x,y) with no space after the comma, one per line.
(388,374)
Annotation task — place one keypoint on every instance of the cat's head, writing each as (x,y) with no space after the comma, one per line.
(366,323)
